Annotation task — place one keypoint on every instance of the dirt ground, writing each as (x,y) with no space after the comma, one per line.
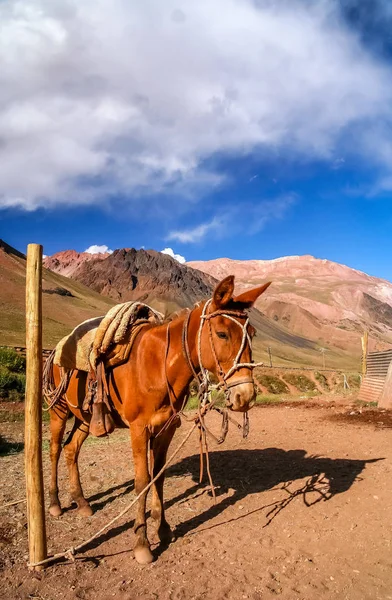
(303,512)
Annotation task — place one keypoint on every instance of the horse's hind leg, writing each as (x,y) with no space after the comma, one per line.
(159,449)
(72,448)
(58,420)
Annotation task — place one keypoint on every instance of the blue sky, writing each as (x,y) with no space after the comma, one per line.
(237,128)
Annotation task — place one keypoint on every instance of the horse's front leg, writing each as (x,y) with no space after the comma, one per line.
(159,447)
(139,438)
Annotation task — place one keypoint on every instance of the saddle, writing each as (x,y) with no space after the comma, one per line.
(97,346)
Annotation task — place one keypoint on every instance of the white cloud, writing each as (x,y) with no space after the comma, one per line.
(178,257)
(107,98)
(98,250)
(198,233)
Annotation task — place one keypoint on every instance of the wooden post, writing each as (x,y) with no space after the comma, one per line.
(33,407)
(270,357)
(364,340)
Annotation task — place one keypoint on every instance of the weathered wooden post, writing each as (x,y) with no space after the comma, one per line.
(364,340)
(270,357)
(33,407)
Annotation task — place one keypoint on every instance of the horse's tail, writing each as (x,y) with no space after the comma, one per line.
(51,393)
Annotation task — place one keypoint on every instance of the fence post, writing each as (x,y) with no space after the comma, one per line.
(270,357)
(364,340)
(33,407)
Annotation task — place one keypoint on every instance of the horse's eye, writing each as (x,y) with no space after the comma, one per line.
(222,335)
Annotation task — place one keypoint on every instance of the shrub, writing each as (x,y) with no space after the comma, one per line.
(12,385)
(12,360)
(301,382)
(354,380)
(273,384)
(322,380)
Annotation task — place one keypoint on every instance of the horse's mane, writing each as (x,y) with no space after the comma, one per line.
(231,305)
(181,312)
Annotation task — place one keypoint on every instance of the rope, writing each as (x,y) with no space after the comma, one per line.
(52,394)
(73,550)
(13,503)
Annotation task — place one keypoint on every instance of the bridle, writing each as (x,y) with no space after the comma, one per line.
(202,376)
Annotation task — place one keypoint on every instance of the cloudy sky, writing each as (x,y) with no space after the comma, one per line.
(240,128)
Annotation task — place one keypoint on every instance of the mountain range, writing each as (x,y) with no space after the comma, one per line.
(319,306)
(314,311)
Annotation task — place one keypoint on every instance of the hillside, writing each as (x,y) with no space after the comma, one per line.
(167,285)
(65,302)
(317,299)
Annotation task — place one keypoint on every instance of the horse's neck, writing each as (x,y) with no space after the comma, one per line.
(178,370)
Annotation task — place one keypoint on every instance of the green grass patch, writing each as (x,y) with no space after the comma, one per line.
(363,404)
(354,381)
(301,382)
(193,403)
(322,380)
(12,385)
(12,375)
(263,399)
(12,361)
(273,384)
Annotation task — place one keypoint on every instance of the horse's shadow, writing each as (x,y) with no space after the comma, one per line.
(245,472)
(239,473)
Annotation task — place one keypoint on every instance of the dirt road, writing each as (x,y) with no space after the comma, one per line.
(303,512)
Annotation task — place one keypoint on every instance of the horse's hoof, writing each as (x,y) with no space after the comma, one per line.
(55,510)
(143,555)
(85,511)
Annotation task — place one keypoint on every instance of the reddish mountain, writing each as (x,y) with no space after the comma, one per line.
(68,261)
(315,298)
(130,274)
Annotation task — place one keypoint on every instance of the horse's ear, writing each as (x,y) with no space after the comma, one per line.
(223,292)
(247,299)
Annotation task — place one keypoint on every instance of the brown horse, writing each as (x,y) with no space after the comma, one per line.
(151,387)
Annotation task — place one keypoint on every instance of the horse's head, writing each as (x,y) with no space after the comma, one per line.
(225,342)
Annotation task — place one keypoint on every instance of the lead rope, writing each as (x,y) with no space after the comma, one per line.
(70,553)
(205,401)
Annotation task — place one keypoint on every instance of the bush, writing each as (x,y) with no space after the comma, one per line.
(12,385)
(301,382)
(273,384)
(12,360)
(354,381)
(322,380)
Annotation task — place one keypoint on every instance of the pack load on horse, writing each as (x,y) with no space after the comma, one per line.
(133,369)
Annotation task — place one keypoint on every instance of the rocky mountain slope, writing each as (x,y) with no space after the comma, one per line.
(167,285)
(319,299)
(130,274)
(65,302)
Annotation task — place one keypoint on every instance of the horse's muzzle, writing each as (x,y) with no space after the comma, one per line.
(242,397)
